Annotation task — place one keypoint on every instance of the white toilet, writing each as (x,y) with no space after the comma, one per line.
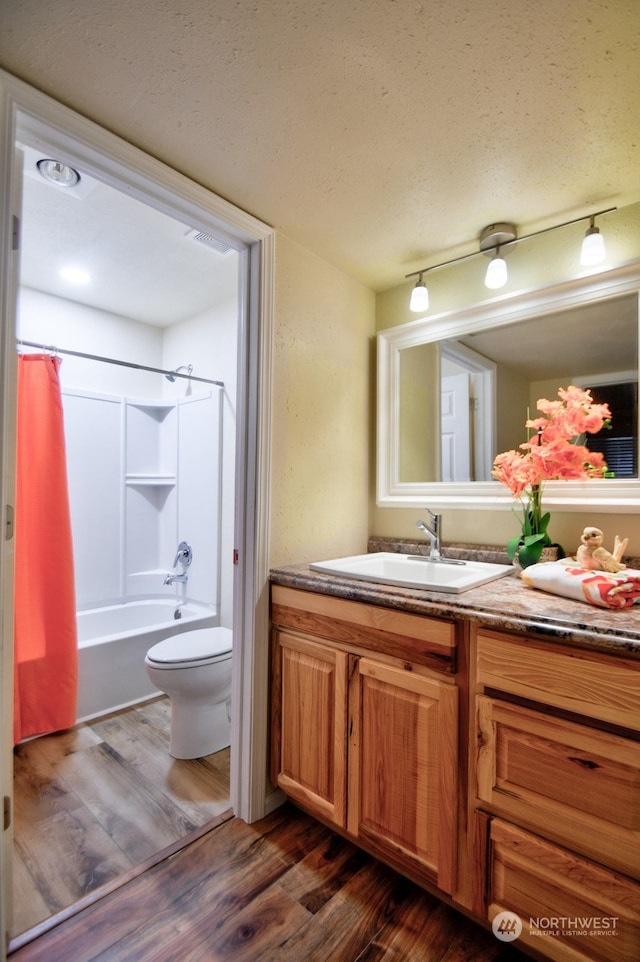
(194,670)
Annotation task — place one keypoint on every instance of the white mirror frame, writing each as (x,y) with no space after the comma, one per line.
(605,495)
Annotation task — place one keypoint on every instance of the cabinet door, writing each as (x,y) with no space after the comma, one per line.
(311,687)
(403,751)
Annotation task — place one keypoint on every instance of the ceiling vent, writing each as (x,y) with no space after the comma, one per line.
(220,246)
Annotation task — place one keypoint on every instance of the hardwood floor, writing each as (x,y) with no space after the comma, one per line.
(285,889)
(94,801)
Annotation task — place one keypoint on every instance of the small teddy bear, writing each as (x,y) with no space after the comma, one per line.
(594,557)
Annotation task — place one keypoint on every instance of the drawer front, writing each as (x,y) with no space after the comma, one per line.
(574,784)
(422,640)
(591,684)
(571,910)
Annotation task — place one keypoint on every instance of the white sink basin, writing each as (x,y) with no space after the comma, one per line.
(411,571)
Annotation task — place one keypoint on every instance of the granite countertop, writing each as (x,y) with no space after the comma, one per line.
(504,604)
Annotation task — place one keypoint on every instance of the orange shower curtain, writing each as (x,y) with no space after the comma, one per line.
(46,650)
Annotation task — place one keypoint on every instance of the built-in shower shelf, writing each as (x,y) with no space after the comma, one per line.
(155,408)
(137,480)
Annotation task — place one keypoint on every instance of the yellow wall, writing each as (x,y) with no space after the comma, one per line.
(541,261)
(323,375)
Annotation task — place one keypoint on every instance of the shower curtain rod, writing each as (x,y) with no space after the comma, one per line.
(112,360)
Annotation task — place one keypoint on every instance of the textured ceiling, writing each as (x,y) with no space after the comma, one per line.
(382,135)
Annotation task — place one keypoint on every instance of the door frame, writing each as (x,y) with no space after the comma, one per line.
(47,123)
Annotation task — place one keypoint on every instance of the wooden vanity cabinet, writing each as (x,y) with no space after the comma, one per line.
(557,775)
(501,770)
(365,726)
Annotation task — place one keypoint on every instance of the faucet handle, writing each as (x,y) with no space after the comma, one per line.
(184,554)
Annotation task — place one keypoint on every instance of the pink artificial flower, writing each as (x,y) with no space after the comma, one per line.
(552,453)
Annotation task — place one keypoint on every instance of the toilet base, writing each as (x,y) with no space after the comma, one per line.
(198,730)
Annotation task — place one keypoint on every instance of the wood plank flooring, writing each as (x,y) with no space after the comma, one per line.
(94,801)
(285,889)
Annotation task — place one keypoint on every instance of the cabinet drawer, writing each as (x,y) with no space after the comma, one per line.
(571,910)
(591,684)
(574,784)
(422,640)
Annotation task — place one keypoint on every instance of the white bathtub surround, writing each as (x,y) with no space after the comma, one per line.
(113,641)
(143,476)
(194,670)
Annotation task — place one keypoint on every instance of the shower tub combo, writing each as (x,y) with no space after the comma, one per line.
(112,644)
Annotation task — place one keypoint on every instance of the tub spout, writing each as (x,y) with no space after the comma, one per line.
(180,579)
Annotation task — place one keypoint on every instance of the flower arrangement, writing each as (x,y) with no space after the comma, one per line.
(552,452)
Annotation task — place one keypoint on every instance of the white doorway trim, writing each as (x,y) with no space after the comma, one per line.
(46,123)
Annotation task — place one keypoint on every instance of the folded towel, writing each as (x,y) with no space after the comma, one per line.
(607,590)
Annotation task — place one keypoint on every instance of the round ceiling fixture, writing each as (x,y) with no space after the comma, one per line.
(57,173)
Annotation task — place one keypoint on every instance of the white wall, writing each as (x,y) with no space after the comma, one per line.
(65,324)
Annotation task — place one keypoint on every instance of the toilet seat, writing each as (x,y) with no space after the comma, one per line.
(190,649)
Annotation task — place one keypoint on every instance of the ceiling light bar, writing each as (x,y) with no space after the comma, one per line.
(494,238)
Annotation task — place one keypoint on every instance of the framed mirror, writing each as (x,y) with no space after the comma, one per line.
(455,389)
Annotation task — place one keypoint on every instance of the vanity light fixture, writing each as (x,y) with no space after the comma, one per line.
(593,249)
(492,241)
(419,297)
(496,275)
(58,173)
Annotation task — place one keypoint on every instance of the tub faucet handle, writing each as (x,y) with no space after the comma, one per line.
(184,555)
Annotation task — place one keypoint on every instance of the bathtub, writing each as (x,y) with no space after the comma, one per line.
(112,643)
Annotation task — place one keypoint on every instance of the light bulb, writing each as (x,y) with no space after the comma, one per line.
(496,275)
(59,174)
(593,250)
(419,297)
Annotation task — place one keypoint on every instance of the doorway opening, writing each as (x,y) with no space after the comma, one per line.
(160,190)
(150,464)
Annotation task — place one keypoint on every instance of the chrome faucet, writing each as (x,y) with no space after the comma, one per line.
(432,530)
(180,579)
(184,557)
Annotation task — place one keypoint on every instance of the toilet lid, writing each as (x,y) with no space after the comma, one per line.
(192,646)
